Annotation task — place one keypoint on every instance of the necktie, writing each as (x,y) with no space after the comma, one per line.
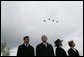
(26,45)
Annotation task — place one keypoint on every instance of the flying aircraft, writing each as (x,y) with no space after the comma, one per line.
(53,20)
(49,19)
(44,20)
(57,21)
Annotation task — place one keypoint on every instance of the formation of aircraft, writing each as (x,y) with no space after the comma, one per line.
(49,19)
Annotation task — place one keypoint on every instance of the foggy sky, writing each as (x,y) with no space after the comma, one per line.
(20,18)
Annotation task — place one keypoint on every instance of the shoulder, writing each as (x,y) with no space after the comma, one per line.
(39,45)
(61,49)
(70,50)
(31,46)
(58,48)
(21,46)
(49,45)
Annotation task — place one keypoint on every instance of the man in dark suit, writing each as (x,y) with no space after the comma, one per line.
(59,50)
(72,51)
(44,48)
(25,49)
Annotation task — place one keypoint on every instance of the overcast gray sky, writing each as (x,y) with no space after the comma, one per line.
(20,18)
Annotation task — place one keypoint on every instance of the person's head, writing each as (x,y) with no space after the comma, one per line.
(44,38)
(71,43)
(58,43)
(26,39)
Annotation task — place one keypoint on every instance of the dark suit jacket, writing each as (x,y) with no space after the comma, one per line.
(41,50)
(71,52)
(25,51)
(60,52)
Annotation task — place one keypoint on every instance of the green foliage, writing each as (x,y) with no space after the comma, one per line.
(4,50)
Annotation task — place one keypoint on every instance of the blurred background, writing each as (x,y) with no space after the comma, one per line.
(21,18)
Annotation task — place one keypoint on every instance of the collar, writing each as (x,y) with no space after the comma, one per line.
(45,44)
(73,48)
(26,44)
